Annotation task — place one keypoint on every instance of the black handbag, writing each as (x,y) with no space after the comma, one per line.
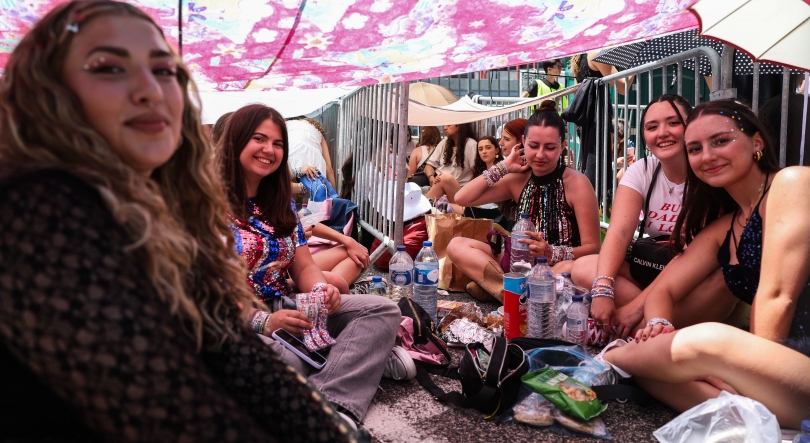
(419,177)
(648,256)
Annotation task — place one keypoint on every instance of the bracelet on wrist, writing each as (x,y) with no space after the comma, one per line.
(605,277)
(659,321)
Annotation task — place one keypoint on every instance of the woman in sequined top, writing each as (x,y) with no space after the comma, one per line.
(560,201)
(744,215)
(269,237)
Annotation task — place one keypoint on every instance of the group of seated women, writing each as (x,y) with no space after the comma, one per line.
(140,276)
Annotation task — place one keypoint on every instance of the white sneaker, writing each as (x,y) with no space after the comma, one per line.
(400,365)
(601,357)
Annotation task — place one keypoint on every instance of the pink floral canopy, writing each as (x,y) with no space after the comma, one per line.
(283,44)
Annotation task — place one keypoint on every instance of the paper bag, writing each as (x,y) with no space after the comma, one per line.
(444,227)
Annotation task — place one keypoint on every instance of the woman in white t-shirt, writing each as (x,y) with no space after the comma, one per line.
(663,124)
(452,165)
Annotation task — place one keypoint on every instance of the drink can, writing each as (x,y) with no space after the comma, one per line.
(515,307)
(596,335)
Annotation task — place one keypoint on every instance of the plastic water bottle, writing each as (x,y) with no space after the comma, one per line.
(804,437)
(565,289)
(303,212)
(426,280)
(577,315)
(400,274)
(542,295)
(377,287)
(521,260)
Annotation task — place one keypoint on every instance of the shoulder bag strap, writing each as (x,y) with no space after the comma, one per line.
(647,201)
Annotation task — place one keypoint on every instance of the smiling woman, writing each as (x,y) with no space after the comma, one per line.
(122,303)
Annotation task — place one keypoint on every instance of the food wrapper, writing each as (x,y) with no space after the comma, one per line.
(569,395)
(464,331)
(470,311)
(534,410)
(444,307)
(494,322)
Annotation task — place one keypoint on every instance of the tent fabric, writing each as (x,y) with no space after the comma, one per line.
(291,103)
(466,110)
(283,44)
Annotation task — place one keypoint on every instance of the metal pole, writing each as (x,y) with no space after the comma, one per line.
(726,74)
(805,91)
(400,167)
(755,98)
(697,81)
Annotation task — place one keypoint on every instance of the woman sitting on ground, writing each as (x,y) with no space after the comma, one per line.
(454,159)
(744,216)
(123,305)
(428,140)
(663,123)
(560,202)
(489,153)
(269,237)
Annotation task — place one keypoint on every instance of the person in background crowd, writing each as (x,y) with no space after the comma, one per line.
(741,214)
(560,201)
(219,127)
(488,154)
(428,140)
(510,137)
(454,156)
(270,238)
(583,66)
(123,306)
(309,153)
(663,123)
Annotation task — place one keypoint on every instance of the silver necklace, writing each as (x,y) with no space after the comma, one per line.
(668,183)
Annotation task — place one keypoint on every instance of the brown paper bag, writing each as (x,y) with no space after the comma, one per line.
(444,227)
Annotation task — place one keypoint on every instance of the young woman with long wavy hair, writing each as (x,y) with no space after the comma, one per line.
(122,304)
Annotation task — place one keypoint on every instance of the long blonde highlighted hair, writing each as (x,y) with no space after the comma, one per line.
(175,218)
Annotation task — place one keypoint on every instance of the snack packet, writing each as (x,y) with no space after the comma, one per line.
(569,395)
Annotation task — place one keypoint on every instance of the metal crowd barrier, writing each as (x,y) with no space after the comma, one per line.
(373,128)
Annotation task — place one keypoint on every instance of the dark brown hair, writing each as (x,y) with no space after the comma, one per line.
(275,192)
(702,204)
(479,166)
(219,127)
(457,143)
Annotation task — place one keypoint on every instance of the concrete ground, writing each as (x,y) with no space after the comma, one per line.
(405,412)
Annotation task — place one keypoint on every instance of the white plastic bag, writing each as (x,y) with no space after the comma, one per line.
(728,418)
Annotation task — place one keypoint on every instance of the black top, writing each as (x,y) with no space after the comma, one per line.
(742,279)
(585,70)
(89,352)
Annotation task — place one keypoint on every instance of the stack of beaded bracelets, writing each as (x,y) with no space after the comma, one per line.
(603,289)
(259,320)
(556,254)
(495,173)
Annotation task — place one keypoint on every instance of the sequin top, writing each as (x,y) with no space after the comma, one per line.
(543,198)
(742,279)
(257,244)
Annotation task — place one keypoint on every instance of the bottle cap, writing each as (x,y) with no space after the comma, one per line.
(427,243)
(542,260)
(401,248)
(576,298)
(805,425)
(376,279)
(524,215)
(303,205)
(566,274)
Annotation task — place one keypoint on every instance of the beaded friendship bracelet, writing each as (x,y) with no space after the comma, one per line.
(495,173)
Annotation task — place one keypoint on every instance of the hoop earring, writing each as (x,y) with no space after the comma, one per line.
(757,156)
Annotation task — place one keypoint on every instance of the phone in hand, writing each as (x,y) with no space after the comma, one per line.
(298,347)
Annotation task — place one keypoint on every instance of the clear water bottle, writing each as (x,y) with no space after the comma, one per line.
(521,260)
(303,212)
(426,280)
(565,290)
(542,295)
(377,287)
(804,437)
(400,274)
(577,324)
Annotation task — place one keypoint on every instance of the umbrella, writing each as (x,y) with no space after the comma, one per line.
(637,54)
(769,30)
(431,94)
(297,44)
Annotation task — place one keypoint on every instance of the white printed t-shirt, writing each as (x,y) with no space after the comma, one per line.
(664,207)
(462,174)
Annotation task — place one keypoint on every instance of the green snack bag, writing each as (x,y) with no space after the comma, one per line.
(566,393)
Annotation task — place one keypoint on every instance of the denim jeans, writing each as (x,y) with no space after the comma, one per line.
(364,328)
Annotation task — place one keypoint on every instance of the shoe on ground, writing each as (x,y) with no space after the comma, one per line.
(400,365)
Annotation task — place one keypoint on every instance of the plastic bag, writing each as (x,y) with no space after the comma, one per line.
(533,410)
(727,418)
(572,361)
(569,395)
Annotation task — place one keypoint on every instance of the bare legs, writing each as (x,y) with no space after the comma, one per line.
(672,365)
(337,262)
(445,185)
(471,256)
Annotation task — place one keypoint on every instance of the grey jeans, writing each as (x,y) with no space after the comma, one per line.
(364,328)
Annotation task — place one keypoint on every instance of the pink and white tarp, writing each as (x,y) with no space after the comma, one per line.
(283,44)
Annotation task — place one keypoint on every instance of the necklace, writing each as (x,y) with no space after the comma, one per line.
(753,203)
(668,183)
